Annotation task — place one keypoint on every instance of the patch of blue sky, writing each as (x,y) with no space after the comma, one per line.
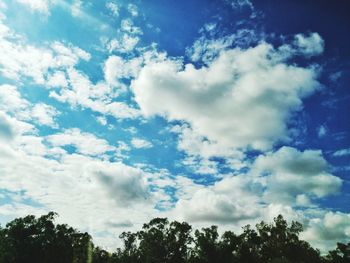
(18,197)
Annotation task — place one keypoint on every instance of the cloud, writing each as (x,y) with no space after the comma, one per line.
(13,103)
(44,114)
(342,152)
(322,131)
(324,232)
(98,97)
(127,25)
(76,8)
(125,185)
(85,143)
(240,3)
(113,7)
(311,45)
(293,176)
(277,182)
(200,151)
(41,6)
(116,68)
(207,49)
(230,200)
(133,10)
(6,129)
(57,79)
(235,101)
(141,143)
(23,60)
(96,190)
(208,206)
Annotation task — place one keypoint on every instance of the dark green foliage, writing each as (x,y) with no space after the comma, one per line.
(340,255)
(30,239)
(36,240)
(157,242)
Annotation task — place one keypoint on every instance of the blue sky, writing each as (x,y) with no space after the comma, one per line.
(222,112)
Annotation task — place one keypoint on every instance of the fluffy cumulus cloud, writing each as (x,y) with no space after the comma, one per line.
(242,99)
(96,189)
(124,184)
(293,176)
(228,201)
(277,182)
(330,228)
(309,45)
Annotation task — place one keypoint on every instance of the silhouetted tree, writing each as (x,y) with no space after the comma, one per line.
(36,240)
(30,239)
(206,245)
(340,255)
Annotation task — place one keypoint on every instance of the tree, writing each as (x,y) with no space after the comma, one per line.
(29,239)
(206,245)
(161,242)
(340,255)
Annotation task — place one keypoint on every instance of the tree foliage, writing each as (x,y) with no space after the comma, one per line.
(30,239)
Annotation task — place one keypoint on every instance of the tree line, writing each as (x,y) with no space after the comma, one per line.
(35,240)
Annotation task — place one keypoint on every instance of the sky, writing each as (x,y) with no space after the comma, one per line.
(224,112)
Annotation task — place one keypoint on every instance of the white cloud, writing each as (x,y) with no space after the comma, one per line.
(200,150)
(44,114)
(6,129)
(42,6)
(13,103)
(76,8)
(102,120)
(85,143)
(116,68)
(293,176)
(113,7)
(310,45)
(133,10)
(141,143)
(278,182)
(98,97)
(206,50)
(235,101)
(326,231)
(231,200)
(94,189)
(23,60)
(127,26)
(342,152)
(58,79)
(128,43)
(208,206)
